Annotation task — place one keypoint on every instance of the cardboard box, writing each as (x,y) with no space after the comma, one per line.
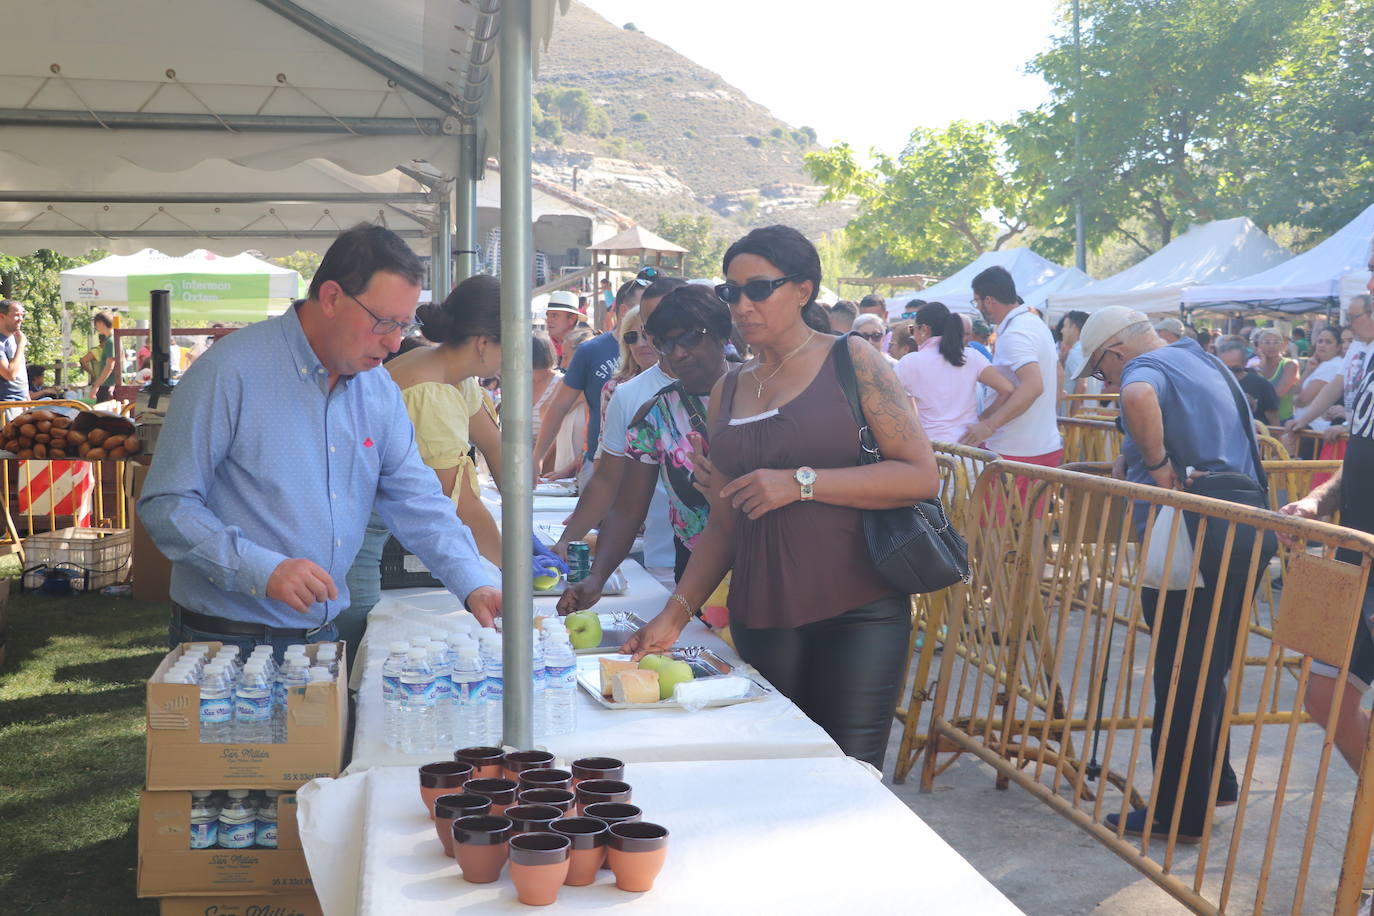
(168,866)
(152,571)
(255,905)
(317,723)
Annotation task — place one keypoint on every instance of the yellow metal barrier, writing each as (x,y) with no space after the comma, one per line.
(1089,439)
(1060,701)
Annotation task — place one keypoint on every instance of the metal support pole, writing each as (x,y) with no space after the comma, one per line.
(1080,247)
(465,207)
(441,257)
(517,269)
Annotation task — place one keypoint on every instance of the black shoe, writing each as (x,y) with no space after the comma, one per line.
(1135,826)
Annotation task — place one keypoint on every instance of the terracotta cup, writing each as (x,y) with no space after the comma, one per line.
(614,813)
(588,853)
(562,799)
(500,791)
(597,768)
(547,778)
(591,791)
(444,778)
(532,818)
(517,762)
(486,761)
(448,808)
(480,846)
(636,852)
(539,866)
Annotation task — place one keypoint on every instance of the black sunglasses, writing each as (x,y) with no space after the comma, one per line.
(755,290)
(687,340)
(630,337)
(874,337)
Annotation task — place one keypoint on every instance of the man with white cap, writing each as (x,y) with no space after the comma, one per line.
(1181,410)
(560,317)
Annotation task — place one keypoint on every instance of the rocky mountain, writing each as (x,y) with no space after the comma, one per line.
(675,138)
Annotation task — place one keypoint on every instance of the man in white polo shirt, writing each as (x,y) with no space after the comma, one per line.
(1022,426)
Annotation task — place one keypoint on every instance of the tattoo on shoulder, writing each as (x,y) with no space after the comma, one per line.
(886,406)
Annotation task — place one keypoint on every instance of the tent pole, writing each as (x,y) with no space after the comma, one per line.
(517,263)
(441,258)
(465,207)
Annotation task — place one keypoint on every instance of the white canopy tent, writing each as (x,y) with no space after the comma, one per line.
(1030,271)
(1355,283)
(1307,282)
(1213,252)
(204,286)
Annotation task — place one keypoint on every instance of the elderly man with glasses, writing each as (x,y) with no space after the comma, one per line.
(279,442)
(1186,426)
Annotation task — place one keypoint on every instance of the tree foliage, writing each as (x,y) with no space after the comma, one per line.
(304,263)
(36,281)
(947,198)
(574,109)
(704,247)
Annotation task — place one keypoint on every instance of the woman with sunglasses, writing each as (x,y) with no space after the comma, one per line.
(807,607)
(871,329)
(636,355)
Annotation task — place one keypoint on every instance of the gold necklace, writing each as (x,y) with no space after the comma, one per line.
(759,393)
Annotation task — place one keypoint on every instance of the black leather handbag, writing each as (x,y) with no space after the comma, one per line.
(915,548)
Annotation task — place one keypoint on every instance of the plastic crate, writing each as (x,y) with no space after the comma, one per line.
(402,569)
(104,554)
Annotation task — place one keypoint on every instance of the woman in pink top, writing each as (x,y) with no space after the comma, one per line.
(942,375)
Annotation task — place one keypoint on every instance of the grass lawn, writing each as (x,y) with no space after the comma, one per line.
(71,751)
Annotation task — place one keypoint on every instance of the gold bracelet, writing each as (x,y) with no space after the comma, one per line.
(686,606)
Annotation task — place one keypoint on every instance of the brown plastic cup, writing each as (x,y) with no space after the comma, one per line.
(614,812)
(597,768)
(486,761)
(591,791)
(547,778)
(533,818)
(538,866)
(588,853)
(443,778)
(636,852)
(480,846)
(517,762)
(500,791)
(562,799)
(448,808)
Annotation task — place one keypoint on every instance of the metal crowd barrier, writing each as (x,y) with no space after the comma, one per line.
(1087,439)
(1046,677)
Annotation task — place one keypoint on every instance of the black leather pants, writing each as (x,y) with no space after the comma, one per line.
(845,673)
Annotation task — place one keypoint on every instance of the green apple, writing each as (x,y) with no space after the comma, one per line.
(652,662)
(584,629)
(548,580)
(671,673)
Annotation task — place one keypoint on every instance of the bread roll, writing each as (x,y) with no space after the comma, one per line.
(96,436)
(609,668)
(95,454)
(637,686)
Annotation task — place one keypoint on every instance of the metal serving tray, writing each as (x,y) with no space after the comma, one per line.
(704,662)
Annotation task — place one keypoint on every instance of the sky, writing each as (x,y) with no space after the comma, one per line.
(860,71)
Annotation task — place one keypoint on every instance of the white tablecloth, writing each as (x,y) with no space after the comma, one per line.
(812,836)
(771,727)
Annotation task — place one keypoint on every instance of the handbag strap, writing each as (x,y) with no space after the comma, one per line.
(849,384)
(1245,421)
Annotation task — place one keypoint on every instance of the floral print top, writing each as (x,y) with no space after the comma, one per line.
(659,436)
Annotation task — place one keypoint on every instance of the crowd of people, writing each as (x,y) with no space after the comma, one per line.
(712,419)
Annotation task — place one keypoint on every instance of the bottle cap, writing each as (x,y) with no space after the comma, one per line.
(399,647)
(238,793)
(417,655)
(200,793)
(296,648)
(320,675)
(271,793)
(327,650)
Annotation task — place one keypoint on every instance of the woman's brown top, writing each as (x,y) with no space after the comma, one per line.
(806,561)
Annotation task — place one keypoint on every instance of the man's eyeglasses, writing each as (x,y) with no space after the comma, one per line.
(1237,370)
(755,290)
(872,336)
(384,326)
(630,337)
(1097,372)
(687,340)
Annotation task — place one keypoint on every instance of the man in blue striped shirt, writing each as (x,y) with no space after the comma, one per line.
(279,442)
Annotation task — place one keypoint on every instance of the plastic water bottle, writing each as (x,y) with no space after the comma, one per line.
(320,675)
(216,705)
(538,727)
(327,655)
(391,690)
(417,703)
(204,820)
(469,699)
(495,682)
(439,660)
(253,706)
(560,691)
(267,820)
(238,827)
(293,674)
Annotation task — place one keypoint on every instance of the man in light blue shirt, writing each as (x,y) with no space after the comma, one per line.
(279,442)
